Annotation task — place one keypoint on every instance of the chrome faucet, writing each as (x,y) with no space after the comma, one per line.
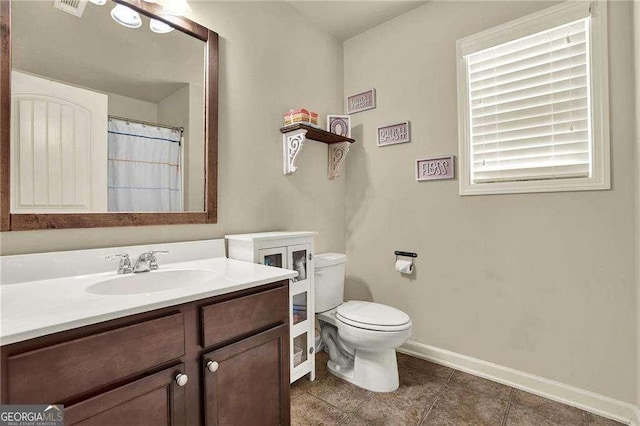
(125,263)
(147,261)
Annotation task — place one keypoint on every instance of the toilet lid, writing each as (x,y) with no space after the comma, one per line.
(374,316)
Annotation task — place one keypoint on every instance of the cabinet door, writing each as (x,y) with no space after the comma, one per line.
(276,256)
(301,317)
(153,400)
(299,259)
(247,383)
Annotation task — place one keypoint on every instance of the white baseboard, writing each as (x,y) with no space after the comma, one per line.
(636,421)
(585,400)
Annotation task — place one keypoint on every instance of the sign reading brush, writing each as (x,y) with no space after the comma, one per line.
(393,134)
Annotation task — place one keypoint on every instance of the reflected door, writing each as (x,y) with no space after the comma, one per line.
(59,147)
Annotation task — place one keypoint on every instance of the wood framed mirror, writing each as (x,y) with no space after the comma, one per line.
(69,165)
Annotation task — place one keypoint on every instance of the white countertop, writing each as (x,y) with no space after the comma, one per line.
(37,308)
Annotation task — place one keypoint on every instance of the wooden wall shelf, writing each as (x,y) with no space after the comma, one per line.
(294,136)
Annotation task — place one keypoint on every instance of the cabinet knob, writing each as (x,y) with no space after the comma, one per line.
(213,366)
(182,379)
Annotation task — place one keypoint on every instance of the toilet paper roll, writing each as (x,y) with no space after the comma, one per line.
(404,266)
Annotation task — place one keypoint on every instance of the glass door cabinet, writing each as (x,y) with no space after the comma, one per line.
(289,250)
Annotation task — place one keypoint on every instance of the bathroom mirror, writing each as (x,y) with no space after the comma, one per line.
(108,115)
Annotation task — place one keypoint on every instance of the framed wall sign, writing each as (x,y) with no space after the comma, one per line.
(435,168)
(361,101)
(393,134)
(339,124)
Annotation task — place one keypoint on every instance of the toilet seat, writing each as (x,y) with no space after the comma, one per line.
(372,316)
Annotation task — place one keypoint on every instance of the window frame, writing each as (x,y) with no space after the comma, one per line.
(561,14)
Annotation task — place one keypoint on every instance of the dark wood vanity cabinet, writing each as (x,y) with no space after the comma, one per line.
(217,361)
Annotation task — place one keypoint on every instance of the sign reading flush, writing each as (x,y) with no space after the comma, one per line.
(393,134)
(435,168)
(361,101)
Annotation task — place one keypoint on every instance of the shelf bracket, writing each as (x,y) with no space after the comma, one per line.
(294,137)
(292,143)
(337,154)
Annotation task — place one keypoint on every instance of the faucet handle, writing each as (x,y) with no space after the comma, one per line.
(117,256)
(125,263)
(153,262)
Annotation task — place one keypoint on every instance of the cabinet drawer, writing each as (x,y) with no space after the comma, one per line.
(225,320)
(56,373)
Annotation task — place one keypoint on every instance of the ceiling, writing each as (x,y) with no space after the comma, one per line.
(97,53)
(345,19)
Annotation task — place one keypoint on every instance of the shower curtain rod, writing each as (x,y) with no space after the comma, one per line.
(146,123)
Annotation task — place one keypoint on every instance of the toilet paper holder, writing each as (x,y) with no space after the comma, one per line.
(405,254)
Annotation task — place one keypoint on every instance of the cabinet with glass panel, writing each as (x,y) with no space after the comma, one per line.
(289,250)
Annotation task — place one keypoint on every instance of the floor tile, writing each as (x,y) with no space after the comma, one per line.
(594,420)
(454,398)
(544,409)
(299,387)
(405,406)
(411,364)
(389,412)
(354,420)
(522,415)
(478,384)
(340,393)
(459,406)
(321,364)
(309,410)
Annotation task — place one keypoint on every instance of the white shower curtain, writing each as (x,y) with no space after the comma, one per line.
(145,171)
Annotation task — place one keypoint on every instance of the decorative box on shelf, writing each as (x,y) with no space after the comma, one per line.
(294,136)
(302,116)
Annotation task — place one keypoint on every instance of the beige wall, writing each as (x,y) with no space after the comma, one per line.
(636,45)
(185,108)
(543,283)
(261,76)
(131,108)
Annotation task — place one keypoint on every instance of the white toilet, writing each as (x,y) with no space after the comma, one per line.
(361,337)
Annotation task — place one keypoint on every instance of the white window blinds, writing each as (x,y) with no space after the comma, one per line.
(529,107)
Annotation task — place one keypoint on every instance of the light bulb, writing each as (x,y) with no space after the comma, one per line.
(176,7)
(159,27)
(126,16)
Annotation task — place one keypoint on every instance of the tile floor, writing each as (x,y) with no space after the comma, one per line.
(429,394)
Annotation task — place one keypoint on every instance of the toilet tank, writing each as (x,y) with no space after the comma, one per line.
(329,280)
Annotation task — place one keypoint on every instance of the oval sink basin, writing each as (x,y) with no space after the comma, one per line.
(151,282)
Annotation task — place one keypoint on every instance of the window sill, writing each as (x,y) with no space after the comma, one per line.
(586,184)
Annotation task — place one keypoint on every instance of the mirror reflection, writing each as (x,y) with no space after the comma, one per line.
(107,111)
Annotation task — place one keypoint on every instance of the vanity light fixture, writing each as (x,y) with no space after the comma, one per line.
(99,2)
(176,7)
(126,16)
(159,27)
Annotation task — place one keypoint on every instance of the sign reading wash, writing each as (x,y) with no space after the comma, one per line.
(361,101)
(31,415)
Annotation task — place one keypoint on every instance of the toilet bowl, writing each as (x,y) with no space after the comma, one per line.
(361,337)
